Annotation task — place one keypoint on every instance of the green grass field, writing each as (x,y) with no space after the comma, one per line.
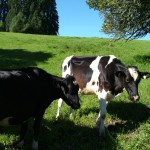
(127,124)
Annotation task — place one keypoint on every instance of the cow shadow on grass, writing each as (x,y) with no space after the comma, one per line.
(125,116)
(131,114)
(61,135)
(65,135)
(16,58)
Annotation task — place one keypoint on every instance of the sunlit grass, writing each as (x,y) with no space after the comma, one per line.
(127,123)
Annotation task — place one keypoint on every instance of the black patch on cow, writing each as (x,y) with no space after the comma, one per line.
(108,79)
(68,64)
(82,61)
(103,78)
(107,73)
(104,61)
(65,68)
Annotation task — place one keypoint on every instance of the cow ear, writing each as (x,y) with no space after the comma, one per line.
(145,75)
(120,74)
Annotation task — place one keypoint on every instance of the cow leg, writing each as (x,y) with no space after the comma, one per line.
(23,131)
(71,112)
(59,107)
(102,115)
(36,129)
(24,128)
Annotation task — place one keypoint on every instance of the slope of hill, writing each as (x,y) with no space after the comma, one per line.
(128,124)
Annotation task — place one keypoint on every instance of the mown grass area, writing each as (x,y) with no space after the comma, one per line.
(127,124)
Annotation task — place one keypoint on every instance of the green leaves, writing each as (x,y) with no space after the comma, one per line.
(28,16)
(128,19)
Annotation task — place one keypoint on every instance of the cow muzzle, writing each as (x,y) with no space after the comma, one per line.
(76,106)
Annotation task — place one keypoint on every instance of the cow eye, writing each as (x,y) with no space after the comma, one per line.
(127,80)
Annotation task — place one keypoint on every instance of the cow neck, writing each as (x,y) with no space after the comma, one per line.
(57,81)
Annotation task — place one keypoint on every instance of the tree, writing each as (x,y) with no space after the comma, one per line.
(50,17)
(3,13)
(43,18)
(32,16)
(14,19)
(128,19)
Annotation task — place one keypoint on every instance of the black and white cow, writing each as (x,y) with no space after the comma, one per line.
(27,92)
(105,76)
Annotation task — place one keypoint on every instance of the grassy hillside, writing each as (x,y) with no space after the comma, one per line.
(127,123)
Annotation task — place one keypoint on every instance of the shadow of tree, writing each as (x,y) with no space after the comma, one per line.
(143,59)
(16,58)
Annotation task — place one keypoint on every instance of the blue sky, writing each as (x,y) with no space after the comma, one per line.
(77,20)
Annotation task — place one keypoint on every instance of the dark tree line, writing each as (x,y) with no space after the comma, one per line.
(29,16)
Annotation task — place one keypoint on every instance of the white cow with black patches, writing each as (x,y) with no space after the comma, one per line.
(105,76)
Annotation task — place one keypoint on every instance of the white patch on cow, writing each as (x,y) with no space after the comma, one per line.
(87,91)
(90,88)
(5,121)
(133,73)
(59,107)
(110,60)
(105,95)
(65,63)
(145,77)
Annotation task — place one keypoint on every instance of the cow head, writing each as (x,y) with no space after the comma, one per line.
(131,78)
(70,90)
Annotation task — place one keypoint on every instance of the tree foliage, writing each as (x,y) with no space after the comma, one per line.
(3,13)
(31,16)
(128,19)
